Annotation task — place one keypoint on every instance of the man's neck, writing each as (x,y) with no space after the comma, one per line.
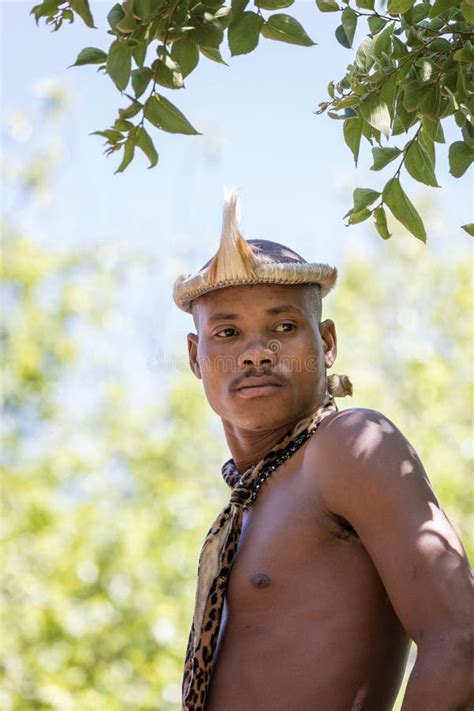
(249,446)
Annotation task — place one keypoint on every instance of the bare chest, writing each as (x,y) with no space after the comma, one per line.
(301,584)
(291,545)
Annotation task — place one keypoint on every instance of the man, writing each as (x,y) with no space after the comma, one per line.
(333,551)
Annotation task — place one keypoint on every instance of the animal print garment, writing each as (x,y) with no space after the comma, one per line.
(218,552)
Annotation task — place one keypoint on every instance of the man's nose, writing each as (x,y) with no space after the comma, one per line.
(257,356)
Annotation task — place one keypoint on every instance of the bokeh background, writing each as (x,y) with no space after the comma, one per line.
(111,456)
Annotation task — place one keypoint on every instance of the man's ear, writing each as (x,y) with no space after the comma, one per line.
(327,330)
(192,351)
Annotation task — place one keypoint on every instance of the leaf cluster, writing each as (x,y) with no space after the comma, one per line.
(412,71)
(158,43)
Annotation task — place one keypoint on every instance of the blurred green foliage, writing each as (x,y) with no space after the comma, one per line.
(98,543)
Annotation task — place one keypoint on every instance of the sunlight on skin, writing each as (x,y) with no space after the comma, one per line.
(430,538)
(406,467)
(370,437)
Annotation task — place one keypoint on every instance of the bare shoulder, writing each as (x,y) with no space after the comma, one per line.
(361,449)
(359,431)
(366,471)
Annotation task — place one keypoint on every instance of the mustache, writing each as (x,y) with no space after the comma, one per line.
(258,374)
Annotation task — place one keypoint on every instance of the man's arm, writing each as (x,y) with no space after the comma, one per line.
(372,476)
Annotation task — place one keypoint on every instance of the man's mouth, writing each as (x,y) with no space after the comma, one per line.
(258,387)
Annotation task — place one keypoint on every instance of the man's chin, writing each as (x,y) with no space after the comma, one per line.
(259,413)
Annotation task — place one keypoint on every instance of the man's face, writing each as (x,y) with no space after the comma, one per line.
(261,354)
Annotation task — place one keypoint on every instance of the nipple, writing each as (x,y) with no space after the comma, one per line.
(260,580)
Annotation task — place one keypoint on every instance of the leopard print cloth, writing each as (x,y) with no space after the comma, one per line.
(218,553)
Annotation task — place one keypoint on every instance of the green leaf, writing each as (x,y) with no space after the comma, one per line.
(142,9)
(429,147)
(440,44)
(128,153)
(90,55)
(222,16)
(465,54)
(404,117)
(213,54)
(116,14)
(119,64)
(131,110)
(123,125)
(468,11)
(433,129)
(140,80)
(284,28)
(361,216)
(380,221)
(468,134)
(469,228)
(352,130)
(186,53)
(439,6)
(375,111)
(419,165)
(365,4)
(238,6)
(400,51)
(412,95)
(349,24)
(327,5)
(364,57)
(163,114)
(81,8)
(110,134)
(165,73)
(139,54)
(460,158)
(376,24)
(342,37)
(363,197)
(398,7)
(430,103)
(145,143)
(383,41)
(244,33)
(129,23)
(383,156)
(273,4)
(346,102)
(48,8)
(207,35)
(420,12)
(389,89)
(402,209)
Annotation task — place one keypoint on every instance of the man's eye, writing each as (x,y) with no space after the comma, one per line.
(285,325)
(224,331)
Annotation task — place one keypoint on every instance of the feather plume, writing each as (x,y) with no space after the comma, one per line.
(234,259)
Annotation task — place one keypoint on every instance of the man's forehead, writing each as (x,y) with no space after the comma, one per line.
(234,301)
(213,316)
